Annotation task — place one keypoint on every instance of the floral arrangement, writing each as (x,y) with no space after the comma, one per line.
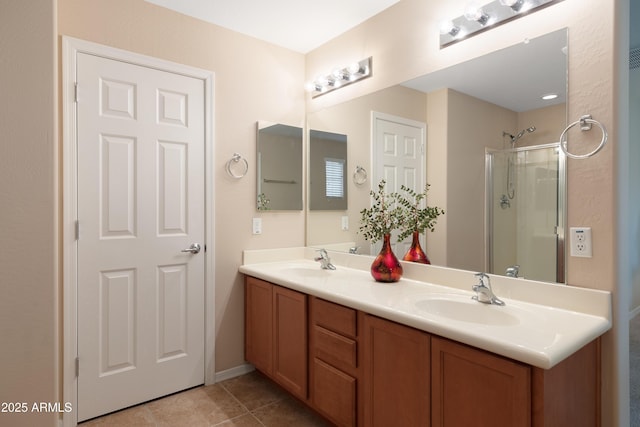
(263,202)
(397,211)
(384,215)
(415,218)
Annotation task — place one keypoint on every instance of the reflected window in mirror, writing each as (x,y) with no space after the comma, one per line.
(327,171)
(279,163)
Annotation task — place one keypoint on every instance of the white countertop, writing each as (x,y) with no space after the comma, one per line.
(541,323)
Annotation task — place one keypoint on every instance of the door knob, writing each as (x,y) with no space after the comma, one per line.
(194,248)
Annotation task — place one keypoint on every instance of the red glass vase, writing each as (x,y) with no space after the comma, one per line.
(415,252)
(386,267)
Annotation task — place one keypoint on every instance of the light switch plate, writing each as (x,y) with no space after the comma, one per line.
(257,225)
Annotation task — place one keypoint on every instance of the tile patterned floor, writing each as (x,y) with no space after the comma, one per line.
(250,400)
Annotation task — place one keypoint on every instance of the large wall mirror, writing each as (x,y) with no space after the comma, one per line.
(279,159)
(491,105)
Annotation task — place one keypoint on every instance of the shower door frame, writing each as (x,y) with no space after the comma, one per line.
(561,207)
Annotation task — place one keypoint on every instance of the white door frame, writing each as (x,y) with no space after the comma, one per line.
(71,47)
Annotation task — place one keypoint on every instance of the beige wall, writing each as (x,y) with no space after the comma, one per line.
(404,44)
(472,126)
(28,301)
(549,123)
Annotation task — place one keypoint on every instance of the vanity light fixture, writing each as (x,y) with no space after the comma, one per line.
(477,19)
(340,77)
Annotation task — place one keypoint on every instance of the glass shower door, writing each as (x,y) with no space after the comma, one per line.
(525,212)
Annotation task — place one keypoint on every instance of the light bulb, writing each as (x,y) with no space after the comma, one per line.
(310,87)
(354,68)
(516,5)
(474,12)
(322,81)
(448,27)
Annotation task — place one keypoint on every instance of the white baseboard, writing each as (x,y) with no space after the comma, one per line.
(233,372)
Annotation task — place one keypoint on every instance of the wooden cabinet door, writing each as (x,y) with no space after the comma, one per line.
(396,374)
(475,388)
(290,340)
(334,394)
(259,324)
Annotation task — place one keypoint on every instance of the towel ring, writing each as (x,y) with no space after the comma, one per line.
(585,123)
(360,175)
(236,158)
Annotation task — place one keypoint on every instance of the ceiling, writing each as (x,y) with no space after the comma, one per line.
(515,77)
(298,25)
(303,25)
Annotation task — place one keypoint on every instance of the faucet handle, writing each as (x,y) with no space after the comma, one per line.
(481,276)
(323,254)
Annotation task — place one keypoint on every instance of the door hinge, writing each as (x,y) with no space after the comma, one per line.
(77,230)
(75,92)
(77,367)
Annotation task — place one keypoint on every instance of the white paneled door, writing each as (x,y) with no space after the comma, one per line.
(140,316)
(399,158)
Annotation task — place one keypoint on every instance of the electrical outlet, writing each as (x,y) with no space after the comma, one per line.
(581,243)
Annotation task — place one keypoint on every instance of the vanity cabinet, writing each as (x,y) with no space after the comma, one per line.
(367,371)
(276,334)
(396,374)
(334,373)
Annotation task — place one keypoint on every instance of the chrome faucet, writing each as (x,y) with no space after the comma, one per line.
(325,261)
(512,271)
(354,249)
(483,291)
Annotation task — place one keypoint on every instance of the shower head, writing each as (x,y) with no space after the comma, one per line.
(519,135)
(522,132)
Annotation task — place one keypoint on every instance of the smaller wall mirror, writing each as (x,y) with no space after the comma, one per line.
(327,171)
(279,163)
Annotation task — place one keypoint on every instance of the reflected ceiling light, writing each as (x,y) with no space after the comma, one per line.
(477,19)
(340,77)
(549,96)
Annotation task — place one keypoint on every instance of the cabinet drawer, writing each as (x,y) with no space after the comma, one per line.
(334,317)
(334,394)
(333,348)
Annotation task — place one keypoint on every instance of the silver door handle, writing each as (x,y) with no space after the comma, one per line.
(194,248)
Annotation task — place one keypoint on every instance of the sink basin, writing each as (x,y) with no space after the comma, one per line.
(468,310)
(307,271)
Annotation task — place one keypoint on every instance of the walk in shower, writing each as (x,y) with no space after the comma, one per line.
(525,207)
